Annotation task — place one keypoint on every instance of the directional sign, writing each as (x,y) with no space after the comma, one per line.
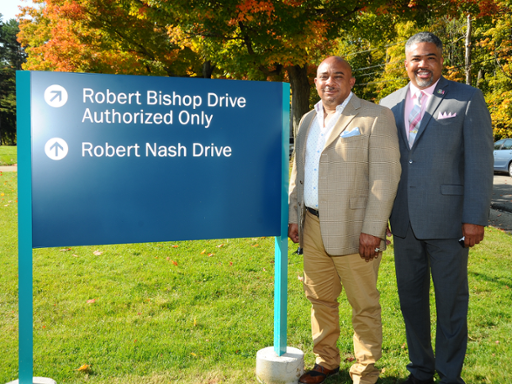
(130,159)
(122,159)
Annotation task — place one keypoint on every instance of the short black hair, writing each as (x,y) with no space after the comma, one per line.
(424,37)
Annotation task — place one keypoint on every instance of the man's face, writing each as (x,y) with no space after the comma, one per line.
(334,82)
(424,64)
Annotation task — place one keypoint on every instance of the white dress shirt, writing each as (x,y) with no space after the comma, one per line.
(315,144)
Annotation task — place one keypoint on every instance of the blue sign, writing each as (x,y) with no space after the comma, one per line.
(131,159)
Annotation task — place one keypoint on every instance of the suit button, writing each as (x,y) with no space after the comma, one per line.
(410,161)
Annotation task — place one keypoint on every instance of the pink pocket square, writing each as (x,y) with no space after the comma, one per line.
(446,115)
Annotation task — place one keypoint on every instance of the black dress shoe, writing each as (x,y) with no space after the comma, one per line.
(412,380)
(318,375)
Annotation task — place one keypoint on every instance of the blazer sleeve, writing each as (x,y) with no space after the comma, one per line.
(293,193)
(384,173)
(478,161)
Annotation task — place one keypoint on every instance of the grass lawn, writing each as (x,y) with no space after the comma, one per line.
(198,311)
(8,155)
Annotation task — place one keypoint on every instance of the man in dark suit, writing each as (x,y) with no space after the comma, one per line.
(446,148)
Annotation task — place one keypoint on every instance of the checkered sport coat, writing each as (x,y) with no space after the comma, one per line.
(358,177)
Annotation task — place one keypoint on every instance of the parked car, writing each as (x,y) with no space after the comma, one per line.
(503,156)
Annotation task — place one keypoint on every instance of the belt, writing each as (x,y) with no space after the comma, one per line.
(313,211)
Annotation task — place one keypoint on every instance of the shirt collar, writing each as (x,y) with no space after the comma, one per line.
(415,91)
(319,107)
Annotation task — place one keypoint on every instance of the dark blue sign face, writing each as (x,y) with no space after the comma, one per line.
(130,159)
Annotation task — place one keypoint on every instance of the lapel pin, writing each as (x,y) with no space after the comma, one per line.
(440,91)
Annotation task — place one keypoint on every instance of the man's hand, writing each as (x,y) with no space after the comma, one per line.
(473,234)
(388,234)
(293,232)
(367,245)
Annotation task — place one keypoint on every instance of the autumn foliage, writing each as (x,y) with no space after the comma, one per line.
(279,40)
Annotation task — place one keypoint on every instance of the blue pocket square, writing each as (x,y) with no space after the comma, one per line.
(354,132)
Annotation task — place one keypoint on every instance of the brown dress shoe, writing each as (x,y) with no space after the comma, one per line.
(317,375)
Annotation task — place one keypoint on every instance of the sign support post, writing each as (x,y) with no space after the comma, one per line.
(280,363)
(24,229)
(281,243)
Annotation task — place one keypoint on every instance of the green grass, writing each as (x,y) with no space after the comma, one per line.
(8,155)
(169,312)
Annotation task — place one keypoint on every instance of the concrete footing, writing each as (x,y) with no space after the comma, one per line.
(37,380)
(285,369)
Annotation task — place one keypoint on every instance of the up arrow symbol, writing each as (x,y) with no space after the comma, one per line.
(57,146)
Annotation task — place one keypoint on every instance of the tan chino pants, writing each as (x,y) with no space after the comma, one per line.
(324,277)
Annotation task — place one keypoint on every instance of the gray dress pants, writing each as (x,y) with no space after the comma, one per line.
(447,261)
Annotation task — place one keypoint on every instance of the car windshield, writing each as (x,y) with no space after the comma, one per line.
(497,145)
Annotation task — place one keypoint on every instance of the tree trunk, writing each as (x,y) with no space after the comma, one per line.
(468,51)
(480,77)
(300,95)
(208,69)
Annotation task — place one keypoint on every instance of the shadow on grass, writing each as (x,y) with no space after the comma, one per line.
(501,282)
(344,378)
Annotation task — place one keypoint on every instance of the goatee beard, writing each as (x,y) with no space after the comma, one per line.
(424,83)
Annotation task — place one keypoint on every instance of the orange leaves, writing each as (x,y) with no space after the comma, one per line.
(72,10)
(91,301)
(175,263)
(248,8)
(84,368)
(293,3)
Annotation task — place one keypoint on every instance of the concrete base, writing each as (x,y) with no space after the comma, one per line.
(285,369)
(37,380)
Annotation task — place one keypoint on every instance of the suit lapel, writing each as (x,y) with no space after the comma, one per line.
(400,120)
(349,112)
(439,93)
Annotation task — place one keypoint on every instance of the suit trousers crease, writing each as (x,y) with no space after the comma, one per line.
(324,278)
(447,261)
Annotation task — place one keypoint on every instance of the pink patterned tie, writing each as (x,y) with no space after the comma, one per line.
(414,119)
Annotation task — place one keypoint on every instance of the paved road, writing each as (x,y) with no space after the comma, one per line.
(501,204)
(8,168)
(500,213)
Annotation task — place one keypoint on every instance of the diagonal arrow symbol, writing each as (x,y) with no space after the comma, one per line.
(57,94)
(57,146)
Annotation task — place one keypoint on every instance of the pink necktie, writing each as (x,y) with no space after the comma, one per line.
(414,119)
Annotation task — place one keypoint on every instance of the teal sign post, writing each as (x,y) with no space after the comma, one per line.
(203,152)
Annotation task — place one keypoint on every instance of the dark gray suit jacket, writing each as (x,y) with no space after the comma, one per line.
(447,175)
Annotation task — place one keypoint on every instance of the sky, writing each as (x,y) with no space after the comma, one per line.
(9,8)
